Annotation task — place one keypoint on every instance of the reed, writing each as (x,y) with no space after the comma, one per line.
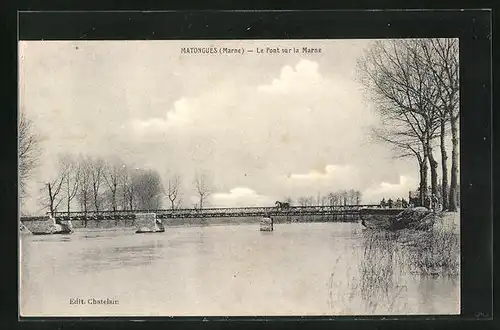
(388,258)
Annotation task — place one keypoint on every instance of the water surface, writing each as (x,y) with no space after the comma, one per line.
(299,269)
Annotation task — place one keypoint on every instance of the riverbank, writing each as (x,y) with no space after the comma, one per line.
(393,260)
(433,252)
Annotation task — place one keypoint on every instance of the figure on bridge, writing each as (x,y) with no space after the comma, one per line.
(282,205)
(398,203)
(404,203)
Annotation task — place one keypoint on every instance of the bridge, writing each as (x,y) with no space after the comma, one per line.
(347,210)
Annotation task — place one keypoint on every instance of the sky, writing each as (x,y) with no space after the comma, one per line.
(262,126)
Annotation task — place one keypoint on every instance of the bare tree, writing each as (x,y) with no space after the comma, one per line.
(53,191)
(203,187)
(305,201)
(84,194)
(126,188)
(344,195)
(28,152)
(172,191)
(405,94)
(441,57)
(96,180)
(334,199)
(52,200)
(351,197)
(71,168)
(147,189)
(357,197)
(111,174)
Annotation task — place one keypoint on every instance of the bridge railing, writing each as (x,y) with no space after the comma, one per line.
(222,211)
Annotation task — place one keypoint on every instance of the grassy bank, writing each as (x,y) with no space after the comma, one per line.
(434,252)
(390,260)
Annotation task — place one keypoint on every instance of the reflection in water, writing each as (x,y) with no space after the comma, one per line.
(390,265)
(307,269)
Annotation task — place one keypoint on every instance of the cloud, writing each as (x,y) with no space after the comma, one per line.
(329,178)
(287,134)
(390,190)
(151,124)
(328,172)
(244,126)
(250,121)
(240,196)
(306,74)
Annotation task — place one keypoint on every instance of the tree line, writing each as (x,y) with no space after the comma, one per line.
(414,87)
(337,198)
(93,184)
(96,184)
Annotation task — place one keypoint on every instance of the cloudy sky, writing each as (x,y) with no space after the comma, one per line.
(263,126)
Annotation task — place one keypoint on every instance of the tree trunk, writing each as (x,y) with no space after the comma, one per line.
(433,166)
(69,201)
(95,203)
(453,204)
(114,200)
(51,200)
(85,211)
(444,166)
(114,205)
(124,204)
(423,180)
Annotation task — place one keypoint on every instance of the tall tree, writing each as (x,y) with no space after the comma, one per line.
(405,95)
(28,152)
(305,201)
(147,189)
(52,191)
(203,187)
(126,188)
(441,57)
(111,174)
(96,179)
(357,197)
(344,195)
(84,194)
(334,199)
(173,187)
(71,181)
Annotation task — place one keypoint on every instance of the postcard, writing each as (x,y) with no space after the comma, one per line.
(239,177)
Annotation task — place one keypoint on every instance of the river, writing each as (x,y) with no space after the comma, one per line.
(299,269)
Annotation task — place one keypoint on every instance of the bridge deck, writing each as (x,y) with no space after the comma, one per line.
(215,212)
